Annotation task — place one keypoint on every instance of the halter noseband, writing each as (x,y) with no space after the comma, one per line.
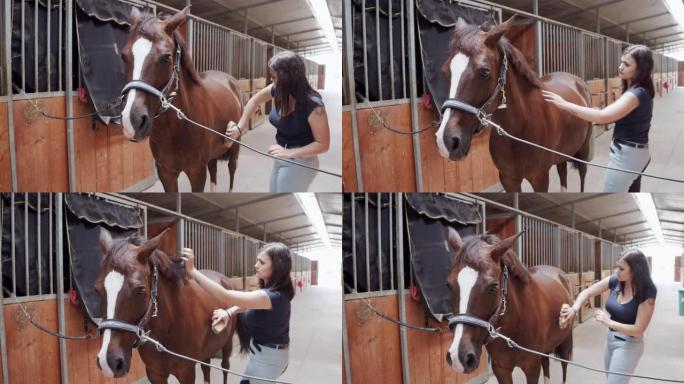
(138,330)
(164,98)
(466,319)
(482,113)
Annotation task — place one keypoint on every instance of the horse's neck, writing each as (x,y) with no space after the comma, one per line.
(516,303)
(521,96)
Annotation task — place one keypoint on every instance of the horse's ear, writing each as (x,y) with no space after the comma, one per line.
(134,17)
(150,245)
(455,241)
(497,250)
(460,24)
(497,31)
(176,20)
(105,241)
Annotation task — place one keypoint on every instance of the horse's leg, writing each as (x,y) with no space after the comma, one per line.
(186,374)
(504,375)
(511,183)
(198,177)
(532,369)
(206,371)
(562,169)
(545,369)
(225,359)
(582,168)
(156,376)
(234,151)
(212,174)
(169,179)
(540,181)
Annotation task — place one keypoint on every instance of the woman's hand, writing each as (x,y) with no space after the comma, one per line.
(233,130)
(567,314)
(278,151)
(555,99)
(602,317)
(188,256)
(220,315)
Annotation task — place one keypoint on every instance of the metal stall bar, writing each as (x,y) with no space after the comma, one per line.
(3,335)
(367,254)
(7,24)
(353,225)
(59,205)
(379,215)
(69,45)
(417,159)
(403,336)
(349,63)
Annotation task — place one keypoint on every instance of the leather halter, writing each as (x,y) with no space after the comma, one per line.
(483,113)
(138,330)
(466,319)
(164,95)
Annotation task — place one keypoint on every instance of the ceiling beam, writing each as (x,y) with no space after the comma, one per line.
(267,26)
(635,20)
(560,205)
(607,217)
(580,10)
(625,225)
(274,220)
(660,37)
(210,212)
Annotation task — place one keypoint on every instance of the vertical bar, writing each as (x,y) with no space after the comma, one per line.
(3,335)
(353,231)
(144,209)
(349,63)
(367,255)
(64,372)
(38,244)
(26,247)
(190,31)
(70,94)
(365,54)
(59,49)
(47,49)
(391,244)
(403,53)
(403,337)
(14,253)
(180,230)
(50,229)
(7,25)
(23,48)
(379,239)
(377,44)
(35,46)
(518,225)
(417,159)
(391,51)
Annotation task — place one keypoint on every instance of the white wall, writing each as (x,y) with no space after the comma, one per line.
(329,267)
(663,262)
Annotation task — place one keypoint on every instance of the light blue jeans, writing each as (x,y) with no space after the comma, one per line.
(622,355)
(287,177)
(268,363)
(625,157)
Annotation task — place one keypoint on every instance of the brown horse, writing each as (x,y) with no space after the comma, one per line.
(142,289)
(525,307)
(158,62)
(486,71)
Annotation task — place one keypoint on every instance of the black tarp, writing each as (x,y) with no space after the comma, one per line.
(102,28)
(85,214)
(27,258)
(429,217)
(436,19)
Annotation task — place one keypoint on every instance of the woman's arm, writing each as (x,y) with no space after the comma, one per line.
(248,300)
(594,290)
(260,97)
(644,315)
(616,111)
(318,120)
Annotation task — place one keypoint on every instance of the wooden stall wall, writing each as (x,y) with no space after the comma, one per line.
(105,160)
(680,75)
(375,349)
(387,157)
(33,356)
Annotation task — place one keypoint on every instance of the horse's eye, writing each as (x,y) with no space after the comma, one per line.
(165,58)
(448,285)
(484,73)
(493,288)
(140,290)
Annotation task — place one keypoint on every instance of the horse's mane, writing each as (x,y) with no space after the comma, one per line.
(171,268)
(519,62)
(146,26)
(510,259)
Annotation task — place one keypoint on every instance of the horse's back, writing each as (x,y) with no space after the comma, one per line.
(552,280)
(569,86)
(226,89)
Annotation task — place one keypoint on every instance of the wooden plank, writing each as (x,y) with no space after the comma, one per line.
(84,149)
(5,161)
(116,155)
(102,170)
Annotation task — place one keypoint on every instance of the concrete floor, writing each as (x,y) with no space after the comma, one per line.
(315,341)
(254,170)
(663,354)
(666,137)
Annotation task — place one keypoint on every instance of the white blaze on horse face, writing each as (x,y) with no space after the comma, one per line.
(466,280)
(458,65)
(141,48)
(112,283)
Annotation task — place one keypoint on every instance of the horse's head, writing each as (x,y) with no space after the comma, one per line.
(475,284)
(149,56)
(125,288)
(472,71)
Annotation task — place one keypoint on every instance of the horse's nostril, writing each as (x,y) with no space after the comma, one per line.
(143,120)
(470,361)
(119,365)
(448,358)
(454,143)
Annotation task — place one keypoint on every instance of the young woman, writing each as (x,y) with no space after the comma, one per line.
(266,310)
(630,308)
(300,120)
(631,114)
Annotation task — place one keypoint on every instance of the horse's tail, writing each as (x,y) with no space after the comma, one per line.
(243,333)
(564,351)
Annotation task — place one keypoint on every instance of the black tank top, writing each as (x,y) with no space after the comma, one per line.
(294,130)
(622,313)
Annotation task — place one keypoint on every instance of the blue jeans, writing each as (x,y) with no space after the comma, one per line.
(287,177)
(625,157)
(268,363)
(622,355)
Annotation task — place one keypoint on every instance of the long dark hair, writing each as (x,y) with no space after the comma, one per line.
(281,267)
(292,81)
(644,61)
(642,285)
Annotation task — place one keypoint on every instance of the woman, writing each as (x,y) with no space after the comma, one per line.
(266,311)
(631,114)
(630,308)
(300,120)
